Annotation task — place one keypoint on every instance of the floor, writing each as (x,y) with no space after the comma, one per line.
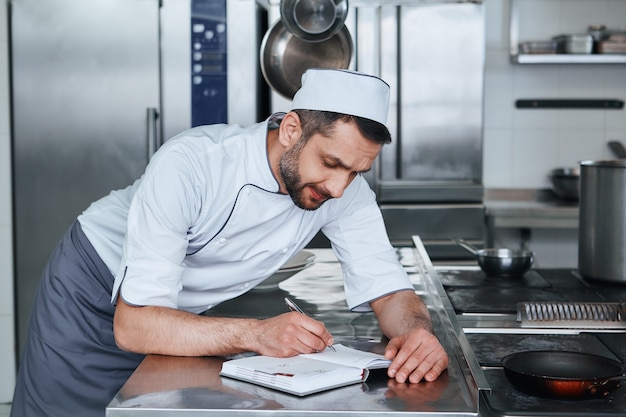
(5,410)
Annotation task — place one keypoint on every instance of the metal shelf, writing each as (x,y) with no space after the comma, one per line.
(568,59)
(519,58)
(379,3)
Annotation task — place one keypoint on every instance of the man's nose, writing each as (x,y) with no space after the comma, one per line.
(337,185)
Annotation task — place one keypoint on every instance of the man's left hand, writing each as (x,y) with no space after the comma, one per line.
(416,355)
(415,352)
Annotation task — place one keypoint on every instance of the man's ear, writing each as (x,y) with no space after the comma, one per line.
(290,129)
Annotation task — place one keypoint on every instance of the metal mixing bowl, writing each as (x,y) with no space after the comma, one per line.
(285,57)
(314,20)
(566,183)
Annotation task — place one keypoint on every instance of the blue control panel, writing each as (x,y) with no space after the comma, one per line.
(209,92)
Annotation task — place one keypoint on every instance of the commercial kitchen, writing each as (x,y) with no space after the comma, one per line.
(487,101)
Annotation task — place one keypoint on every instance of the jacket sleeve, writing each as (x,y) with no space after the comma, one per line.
(162,210)
(359,239)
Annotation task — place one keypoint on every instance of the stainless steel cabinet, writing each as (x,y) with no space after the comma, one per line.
(84,75)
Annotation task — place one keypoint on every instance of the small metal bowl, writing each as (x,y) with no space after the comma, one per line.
(285,57)
(314,20)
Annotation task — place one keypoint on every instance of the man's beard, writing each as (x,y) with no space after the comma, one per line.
(288,166)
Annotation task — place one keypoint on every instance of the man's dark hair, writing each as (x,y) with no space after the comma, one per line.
(323,122)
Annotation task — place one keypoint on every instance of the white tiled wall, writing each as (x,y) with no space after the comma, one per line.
(7,349)
(521,147)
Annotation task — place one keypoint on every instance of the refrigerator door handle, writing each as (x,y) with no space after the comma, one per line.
(151,128)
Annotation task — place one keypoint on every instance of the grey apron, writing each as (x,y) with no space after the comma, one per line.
(71,364)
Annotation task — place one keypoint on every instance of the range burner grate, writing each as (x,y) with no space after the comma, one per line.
(572,315)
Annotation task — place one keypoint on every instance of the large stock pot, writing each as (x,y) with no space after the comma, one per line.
(602,220)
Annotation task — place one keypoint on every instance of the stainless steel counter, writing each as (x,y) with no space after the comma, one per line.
(527,209)
(176,386)
(530,208)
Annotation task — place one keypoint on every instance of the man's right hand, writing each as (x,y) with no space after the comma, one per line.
(291,334)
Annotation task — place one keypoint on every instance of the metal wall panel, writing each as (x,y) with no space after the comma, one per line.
(441,85)
(432,55)
(84,74)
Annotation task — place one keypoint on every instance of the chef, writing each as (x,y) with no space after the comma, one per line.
(219,209)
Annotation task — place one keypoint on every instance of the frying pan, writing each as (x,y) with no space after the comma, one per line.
(500,262)
(563,375)
(285,57)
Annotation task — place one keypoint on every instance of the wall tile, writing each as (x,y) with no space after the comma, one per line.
(498,103)
(536,81)
(583,81)
(497,25)
(615,79)
(535,119)
(538,19)
(615,119)
(581,119)
(497,156)
(619,135)
(616,89)
(577,145)
(534,153)
(615,12)
(577,15)
(554,248)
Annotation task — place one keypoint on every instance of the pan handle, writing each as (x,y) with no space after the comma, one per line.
(466,245)
(618,148)
(599,388)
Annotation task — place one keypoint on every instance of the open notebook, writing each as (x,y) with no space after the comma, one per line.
(306,373)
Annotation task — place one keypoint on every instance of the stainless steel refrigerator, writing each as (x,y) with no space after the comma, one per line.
(97,86)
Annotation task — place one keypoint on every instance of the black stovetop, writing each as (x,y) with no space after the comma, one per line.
(471,291)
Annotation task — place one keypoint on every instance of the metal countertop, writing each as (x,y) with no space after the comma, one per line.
(529,208)
(179,386)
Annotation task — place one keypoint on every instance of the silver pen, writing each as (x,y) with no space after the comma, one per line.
(294,307)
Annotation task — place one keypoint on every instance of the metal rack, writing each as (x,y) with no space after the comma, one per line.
(520,58)
(378,3)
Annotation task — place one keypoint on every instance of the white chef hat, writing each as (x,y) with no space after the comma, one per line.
(343,91)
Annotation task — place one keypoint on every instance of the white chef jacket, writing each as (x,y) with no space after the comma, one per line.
(205,223)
